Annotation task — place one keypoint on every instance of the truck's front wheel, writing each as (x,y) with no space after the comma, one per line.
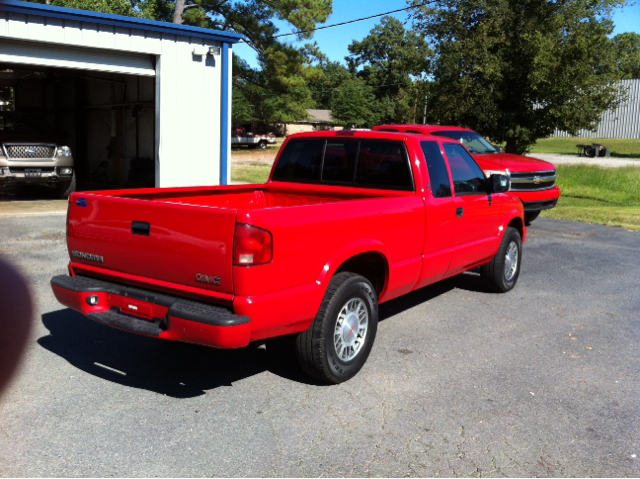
(339,341)
(501,274)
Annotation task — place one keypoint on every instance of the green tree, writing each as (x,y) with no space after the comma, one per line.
(327,79)
(161,10)
(628,50)
(276,93)
(353,104)
(517,70)
(395,62)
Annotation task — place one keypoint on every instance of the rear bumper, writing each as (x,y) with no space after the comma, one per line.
(153,314)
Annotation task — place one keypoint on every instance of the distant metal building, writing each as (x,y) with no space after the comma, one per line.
(623,122)
(120,89)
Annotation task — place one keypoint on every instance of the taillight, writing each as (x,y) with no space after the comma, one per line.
(251,246)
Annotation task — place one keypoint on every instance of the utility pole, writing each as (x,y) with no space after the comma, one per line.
(424,115)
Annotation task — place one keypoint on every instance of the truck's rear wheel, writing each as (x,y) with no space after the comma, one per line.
(339,341)
(262,145)
(501,274)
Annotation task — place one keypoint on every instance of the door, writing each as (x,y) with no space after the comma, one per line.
(440,215)
(64,56)
(476,233)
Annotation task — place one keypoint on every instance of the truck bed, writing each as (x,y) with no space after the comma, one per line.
(243,197)
(165,238)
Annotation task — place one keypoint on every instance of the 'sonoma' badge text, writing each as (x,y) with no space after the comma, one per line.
(205,278)
(88,256)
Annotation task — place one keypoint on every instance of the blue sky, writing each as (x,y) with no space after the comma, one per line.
(333,42)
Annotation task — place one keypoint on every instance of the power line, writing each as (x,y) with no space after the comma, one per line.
(350,21)
(347,22)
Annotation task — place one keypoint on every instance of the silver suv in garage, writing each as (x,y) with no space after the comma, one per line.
(29,155)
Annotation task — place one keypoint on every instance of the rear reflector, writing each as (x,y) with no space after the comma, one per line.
(251,246)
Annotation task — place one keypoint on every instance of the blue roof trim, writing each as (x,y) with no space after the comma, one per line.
(27,8)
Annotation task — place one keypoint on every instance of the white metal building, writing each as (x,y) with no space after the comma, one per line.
(120,88)
(621,122)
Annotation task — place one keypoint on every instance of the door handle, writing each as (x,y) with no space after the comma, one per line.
(140,228)
(459,212)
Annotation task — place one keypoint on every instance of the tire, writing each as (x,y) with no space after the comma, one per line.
(529,217)
(497,275)
(590,152)
(350,301)
(66,190)
(262,145)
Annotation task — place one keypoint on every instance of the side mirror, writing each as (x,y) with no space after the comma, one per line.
(499,183)
(497,148)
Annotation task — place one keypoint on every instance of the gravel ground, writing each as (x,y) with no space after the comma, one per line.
(606,162)
(542,381)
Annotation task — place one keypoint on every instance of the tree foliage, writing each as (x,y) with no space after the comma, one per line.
(275,93)
(354,104)
(628,51)
(325,83)
(393,62)
(517,70)
(390,56)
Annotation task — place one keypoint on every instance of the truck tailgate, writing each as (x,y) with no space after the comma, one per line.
(176,243)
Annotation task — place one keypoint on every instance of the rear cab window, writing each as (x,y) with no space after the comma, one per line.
(365,163)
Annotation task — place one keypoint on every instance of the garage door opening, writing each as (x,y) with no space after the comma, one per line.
(104,121)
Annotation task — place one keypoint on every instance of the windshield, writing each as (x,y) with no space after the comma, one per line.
(471,140)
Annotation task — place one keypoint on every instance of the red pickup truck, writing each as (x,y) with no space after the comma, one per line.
(346,221)
(532,180)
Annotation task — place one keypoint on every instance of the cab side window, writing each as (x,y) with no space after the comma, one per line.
(383,164)
(468,178)
(300,161)
(438,175)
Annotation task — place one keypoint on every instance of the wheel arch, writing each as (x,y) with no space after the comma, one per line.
(366,257)
(373,265)
(518,224)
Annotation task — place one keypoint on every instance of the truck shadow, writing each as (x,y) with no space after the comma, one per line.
(469,281)
(175,369)
(182,370)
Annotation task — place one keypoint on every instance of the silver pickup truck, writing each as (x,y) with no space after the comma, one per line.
(27,157)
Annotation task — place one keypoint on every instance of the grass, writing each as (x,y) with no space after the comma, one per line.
(601,196)
(256,173)
(567,146)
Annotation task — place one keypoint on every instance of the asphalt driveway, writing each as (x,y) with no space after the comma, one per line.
(542,381)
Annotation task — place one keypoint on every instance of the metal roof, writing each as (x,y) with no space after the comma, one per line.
(38,9)
(320,116)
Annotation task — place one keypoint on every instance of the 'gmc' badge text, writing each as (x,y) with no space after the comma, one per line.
(207,279)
